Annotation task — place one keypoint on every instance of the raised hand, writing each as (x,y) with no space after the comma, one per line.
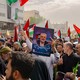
(60,61)
(52,42)
(23,34)
(53,45)
(2,77)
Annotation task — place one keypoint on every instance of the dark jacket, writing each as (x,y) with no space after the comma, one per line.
(69,62)
(2,67)
(40,71)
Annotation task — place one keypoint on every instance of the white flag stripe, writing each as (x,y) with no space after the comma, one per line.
(13,9)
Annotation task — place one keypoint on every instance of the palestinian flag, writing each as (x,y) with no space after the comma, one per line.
(15,4)
(69,32)
(31,31)
(77,29)
(59,34)
(21,2)
(14,8)
(26,27)
(46,25)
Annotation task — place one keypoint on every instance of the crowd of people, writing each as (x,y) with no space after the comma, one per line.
(18,62)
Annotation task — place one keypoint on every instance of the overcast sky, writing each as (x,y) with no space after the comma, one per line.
(57,11)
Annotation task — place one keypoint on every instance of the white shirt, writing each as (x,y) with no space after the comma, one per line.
(48,60)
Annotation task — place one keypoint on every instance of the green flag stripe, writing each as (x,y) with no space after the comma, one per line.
(11,1)
(31,33)
(79,35)
(16,13)
(14,1)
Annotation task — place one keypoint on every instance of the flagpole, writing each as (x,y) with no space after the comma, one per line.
(70,38)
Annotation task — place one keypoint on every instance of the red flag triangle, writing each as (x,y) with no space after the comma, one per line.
(46,26)
(59,33)
(22,2)
(76,28)
(69,32)
(27,33)
(26,25)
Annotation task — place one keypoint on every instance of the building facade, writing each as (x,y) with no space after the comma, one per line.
(6,23)
(32,13)
(62,27)
(33,16)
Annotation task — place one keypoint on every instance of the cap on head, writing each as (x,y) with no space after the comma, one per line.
(5,50)
(18,43)
(2,40)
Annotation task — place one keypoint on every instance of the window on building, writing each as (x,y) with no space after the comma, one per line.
(20,18)
(10,26)
(8,12)
(1,25)
(2,14)
(2,5)
(21,11)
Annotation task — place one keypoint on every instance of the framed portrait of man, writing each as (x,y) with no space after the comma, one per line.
(42,41)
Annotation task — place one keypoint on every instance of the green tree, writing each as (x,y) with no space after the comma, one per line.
(36,20)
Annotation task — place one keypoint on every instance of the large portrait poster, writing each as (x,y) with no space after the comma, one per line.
(42,41)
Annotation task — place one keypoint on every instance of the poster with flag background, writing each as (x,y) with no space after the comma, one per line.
(42,50)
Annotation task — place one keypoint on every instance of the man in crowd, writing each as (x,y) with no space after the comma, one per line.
(4,56)
(59,41)
(19,67)
(69,60)
(48,60)
(25,48)
(2,41)
(17,46)
(59,48)
(78,49)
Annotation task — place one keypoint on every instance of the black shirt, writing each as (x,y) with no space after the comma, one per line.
(69,62)
(2,67)
(40,71)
